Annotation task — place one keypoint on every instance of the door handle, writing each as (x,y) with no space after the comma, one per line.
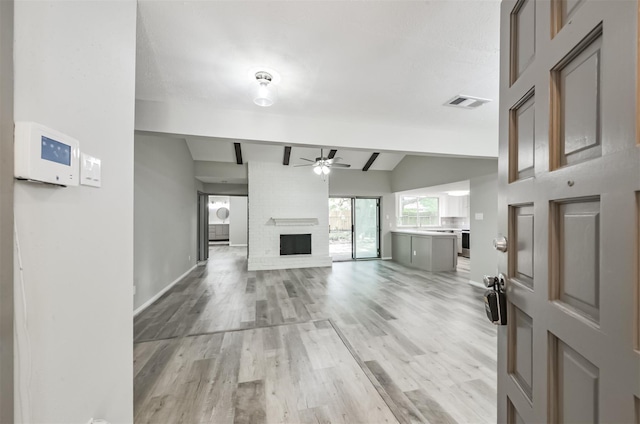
(497,282)
(500,244)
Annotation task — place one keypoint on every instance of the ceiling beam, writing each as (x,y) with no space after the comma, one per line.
(370,161)
(287,155)
(238,153)
(332,153)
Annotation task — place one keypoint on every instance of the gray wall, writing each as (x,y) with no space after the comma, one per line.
(349,183)
(75,72)
(231,172)
(484,200)
(226,189)
(238,221)
(6,211)
(165,226)
(426,171)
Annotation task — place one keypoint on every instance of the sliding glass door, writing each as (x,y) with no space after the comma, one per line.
(354,228)
(366,239)
(340,228)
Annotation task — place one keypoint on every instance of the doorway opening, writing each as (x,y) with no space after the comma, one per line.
(354,228)
(219,220)
(222,220)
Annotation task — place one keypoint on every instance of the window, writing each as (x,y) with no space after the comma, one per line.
(416,211)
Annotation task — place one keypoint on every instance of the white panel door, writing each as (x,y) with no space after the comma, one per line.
(568,205)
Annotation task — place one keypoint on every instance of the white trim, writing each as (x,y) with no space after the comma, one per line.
(476,284)
(237,245)
(295,221)
(387,259)
(149,302)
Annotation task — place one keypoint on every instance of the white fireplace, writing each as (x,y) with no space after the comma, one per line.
(285,200)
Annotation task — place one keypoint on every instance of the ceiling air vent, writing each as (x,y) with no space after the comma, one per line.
(466,102)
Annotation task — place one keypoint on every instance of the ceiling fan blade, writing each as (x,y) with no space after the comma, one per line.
(341,165)
(334,160)
(308,160)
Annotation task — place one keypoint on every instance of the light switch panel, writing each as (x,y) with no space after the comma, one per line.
(90,171)
(479,216)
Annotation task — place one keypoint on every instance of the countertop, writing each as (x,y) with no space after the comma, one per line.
(424,233)
(432,229)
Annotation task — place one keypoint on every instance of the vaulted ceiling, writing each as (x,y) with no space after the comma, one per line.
(355,74)
(222,150)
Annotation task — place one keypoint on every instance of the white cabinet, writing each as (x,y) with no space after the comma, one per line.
(464,206)
(456,206)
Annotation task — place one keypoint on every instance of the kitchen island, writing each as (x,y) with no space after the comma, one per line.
(428,250)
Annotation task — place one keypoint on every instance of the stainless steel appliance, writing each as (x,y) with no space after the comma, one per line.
(466,246)
(458,234)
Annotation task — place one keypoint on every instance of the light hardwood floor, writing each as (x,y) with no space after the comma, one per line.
(362,342)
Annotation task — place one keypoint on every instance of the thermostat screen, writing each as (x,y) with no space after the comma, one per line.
(55,151)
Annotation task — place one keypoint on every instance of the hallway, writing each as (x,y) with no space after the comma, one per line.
(360,342)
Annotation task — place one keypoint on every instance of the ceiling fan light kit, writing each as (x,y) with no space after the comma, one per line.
(264,92)
(321,169)
(322,165)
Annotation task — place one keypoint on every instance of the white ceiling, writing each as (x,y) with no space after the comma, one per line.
(222,150)
(384,62)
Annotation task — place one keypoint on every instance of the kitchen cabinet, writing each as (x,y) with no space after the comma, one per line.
(431,251)
(401,248)
(456,206)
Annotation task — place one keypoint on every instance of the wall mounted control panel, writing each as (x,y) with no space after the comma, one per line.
(45,155)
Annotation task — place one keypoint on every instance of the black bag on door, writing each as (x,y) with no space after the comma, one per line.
(495,305)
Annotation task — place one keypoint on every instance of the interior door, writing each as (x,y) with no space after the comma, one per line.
(568,204)
(366,225)
(203,227)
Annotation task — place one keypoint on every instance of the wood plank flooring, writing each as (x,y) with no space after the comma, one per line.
(362,342)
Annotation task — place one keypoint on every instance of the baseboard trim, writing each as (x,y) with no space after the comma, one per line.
(149,302)
(476,284)
(237,245)
(387,259)
(288,262)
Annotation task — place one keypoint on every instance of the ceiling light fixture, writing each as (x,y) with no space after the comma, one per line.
(321,168)
(264,92)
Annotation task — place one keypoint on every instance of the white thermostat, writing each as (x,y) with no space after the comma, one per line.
(45,155)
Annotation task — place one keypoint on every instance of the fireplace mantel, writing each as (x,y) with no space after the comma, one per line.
(300,222)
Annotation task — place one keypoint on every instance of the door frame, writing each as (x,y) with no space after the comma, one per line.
(201,229)
(200,193)
(353,224)
(6,213)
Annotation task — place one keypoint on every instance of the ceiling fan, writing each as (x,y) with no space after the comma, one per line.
(322,165)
